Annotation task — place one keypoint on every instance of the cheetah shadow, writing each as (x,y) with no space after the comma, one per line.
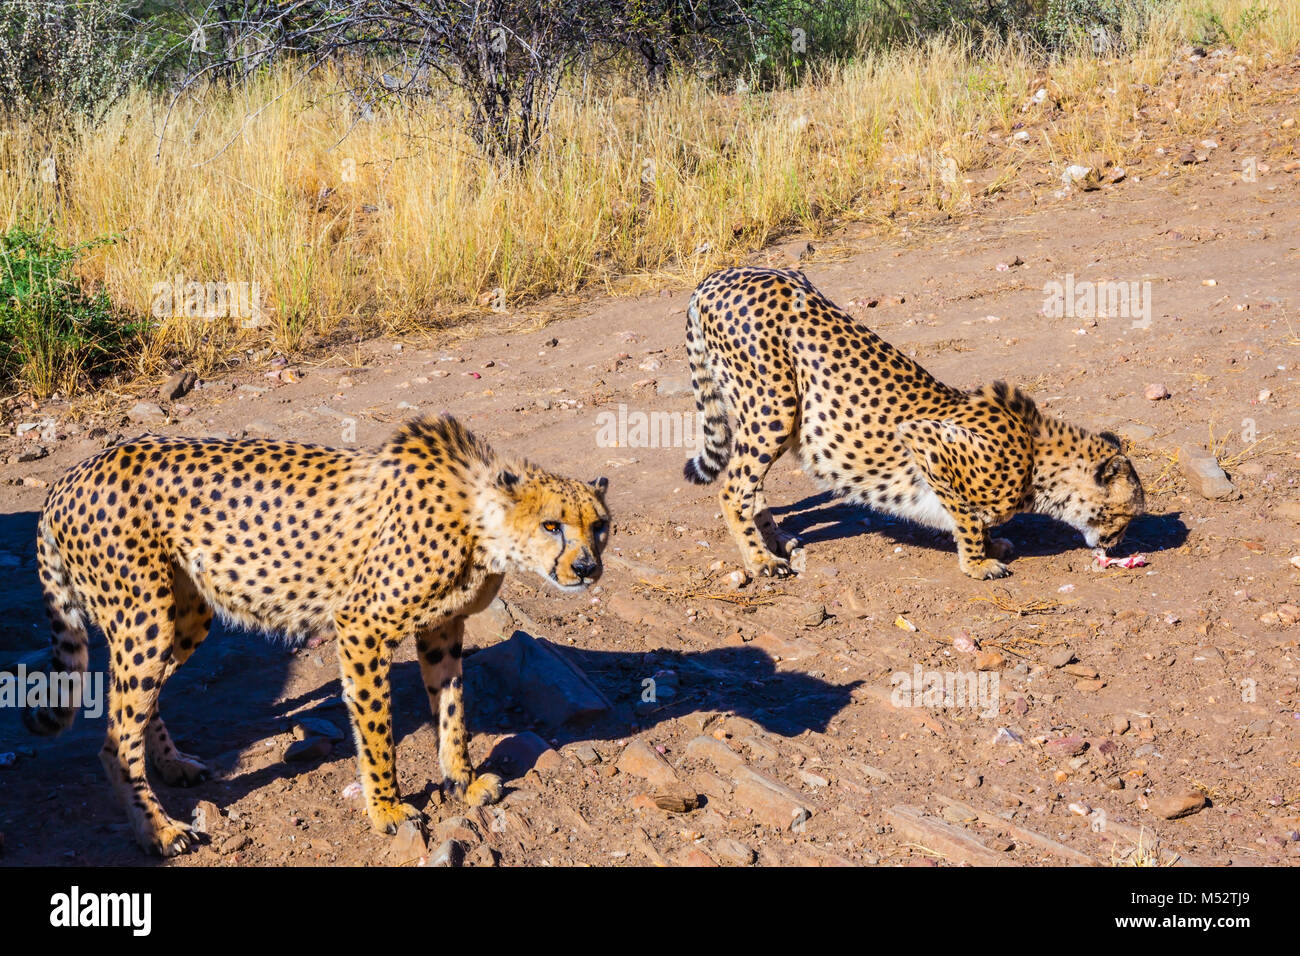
(823,518)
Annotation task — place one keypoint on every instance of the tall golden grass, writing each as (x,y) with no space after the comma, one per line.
(395,223)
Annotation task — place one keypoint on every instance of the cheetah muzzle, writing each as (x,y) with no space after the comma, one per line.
(151,538)
(795,371)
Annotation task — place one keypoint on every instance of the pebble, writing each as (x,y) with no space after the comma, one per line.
(641,760)
(306,727)
(313,748)
(1067,746)
(1156,392)
(1204,474)
(449,853)
(733,851)
(146,413)
(177,386)
(989,661)
(1061,657)
(1176,805)
(676,800)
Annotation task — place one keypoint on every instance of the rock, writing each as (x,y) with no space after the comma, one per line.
(313,748)
(672,385)
(1134,432)
(206,817)
(586,754)
(177,386)
(1089,686)
(1066,746)
(1080,670)
(772,803)
(810,615)
(733,851)
(1061,657)
(408,844)
(1203,473)
(146,413)
(460,829)
(305,727)
(483,855)
(1155,393)
(723,758)
(988,661)
(1177,805)
(235,843)
(1119,725)
(676,799)
(542,678)
(494,623)
(519,753)
(639,759)
(1085,177)
(450,853)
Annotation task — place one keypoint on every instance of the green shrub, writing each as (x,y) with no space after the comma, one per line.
(54,335)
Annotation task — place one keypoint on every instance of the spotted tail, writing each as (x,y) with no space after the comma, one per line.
(708,464)
(68,643)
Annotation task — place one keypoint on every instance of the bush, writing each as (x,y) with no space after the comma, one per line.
(53,334)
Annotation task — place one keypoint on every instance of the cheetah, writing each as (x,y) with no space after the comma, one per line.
(150,538)
(872,425)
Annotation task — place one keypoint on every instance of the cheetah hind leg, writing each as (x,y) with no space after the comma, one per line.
(193,622)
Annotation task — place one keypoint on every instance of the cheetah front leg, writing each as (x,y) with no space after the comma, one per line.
(940,450)
(440,666)
(365,659)
(193,621)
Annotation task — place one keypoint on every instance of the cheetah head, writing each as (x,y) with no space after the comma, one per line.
(1086,481)
(555,527)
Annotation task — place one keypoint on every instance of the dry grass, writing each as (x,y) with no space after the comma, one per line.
(394,224)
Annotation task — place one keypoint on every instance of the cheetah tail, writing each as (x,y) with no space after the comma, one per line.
(708,464)
(68,644)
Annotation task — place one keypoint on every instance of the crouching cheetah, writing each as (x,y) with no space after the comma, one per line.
(872,425)
(147,539)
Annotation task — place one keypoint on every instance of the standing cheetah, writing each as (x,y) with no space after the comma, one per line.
(147,539)
(871,424)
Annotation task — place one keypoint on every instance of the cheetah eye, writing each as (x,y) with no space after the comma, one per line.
(551,527)
(598,528)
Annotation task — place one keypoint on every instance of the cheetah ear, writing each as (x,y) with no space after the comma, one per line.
(1111,469)
(600,484)
(507,481)
(1110,438)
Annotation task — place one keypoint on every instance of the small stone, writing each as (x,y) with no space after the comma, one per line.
(177,386)
(408,844)
(1204,474)
(235,843)
(1119,725)
(676,800)
(1080,670)
(313,748)
(206,817)
(1061,657)
(733,851)
(449,853)
(1089,686)
(305,727)
(1067,746)
(1177,805)
(811,615)
(989,661)
(146,413)
(639,759)
(34,453)
(1156,392)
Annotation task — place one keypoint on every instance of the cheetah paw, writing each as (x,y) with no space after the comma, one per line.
(388,817)
(771,567)
(170,839)
(986,569)
(485,789)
